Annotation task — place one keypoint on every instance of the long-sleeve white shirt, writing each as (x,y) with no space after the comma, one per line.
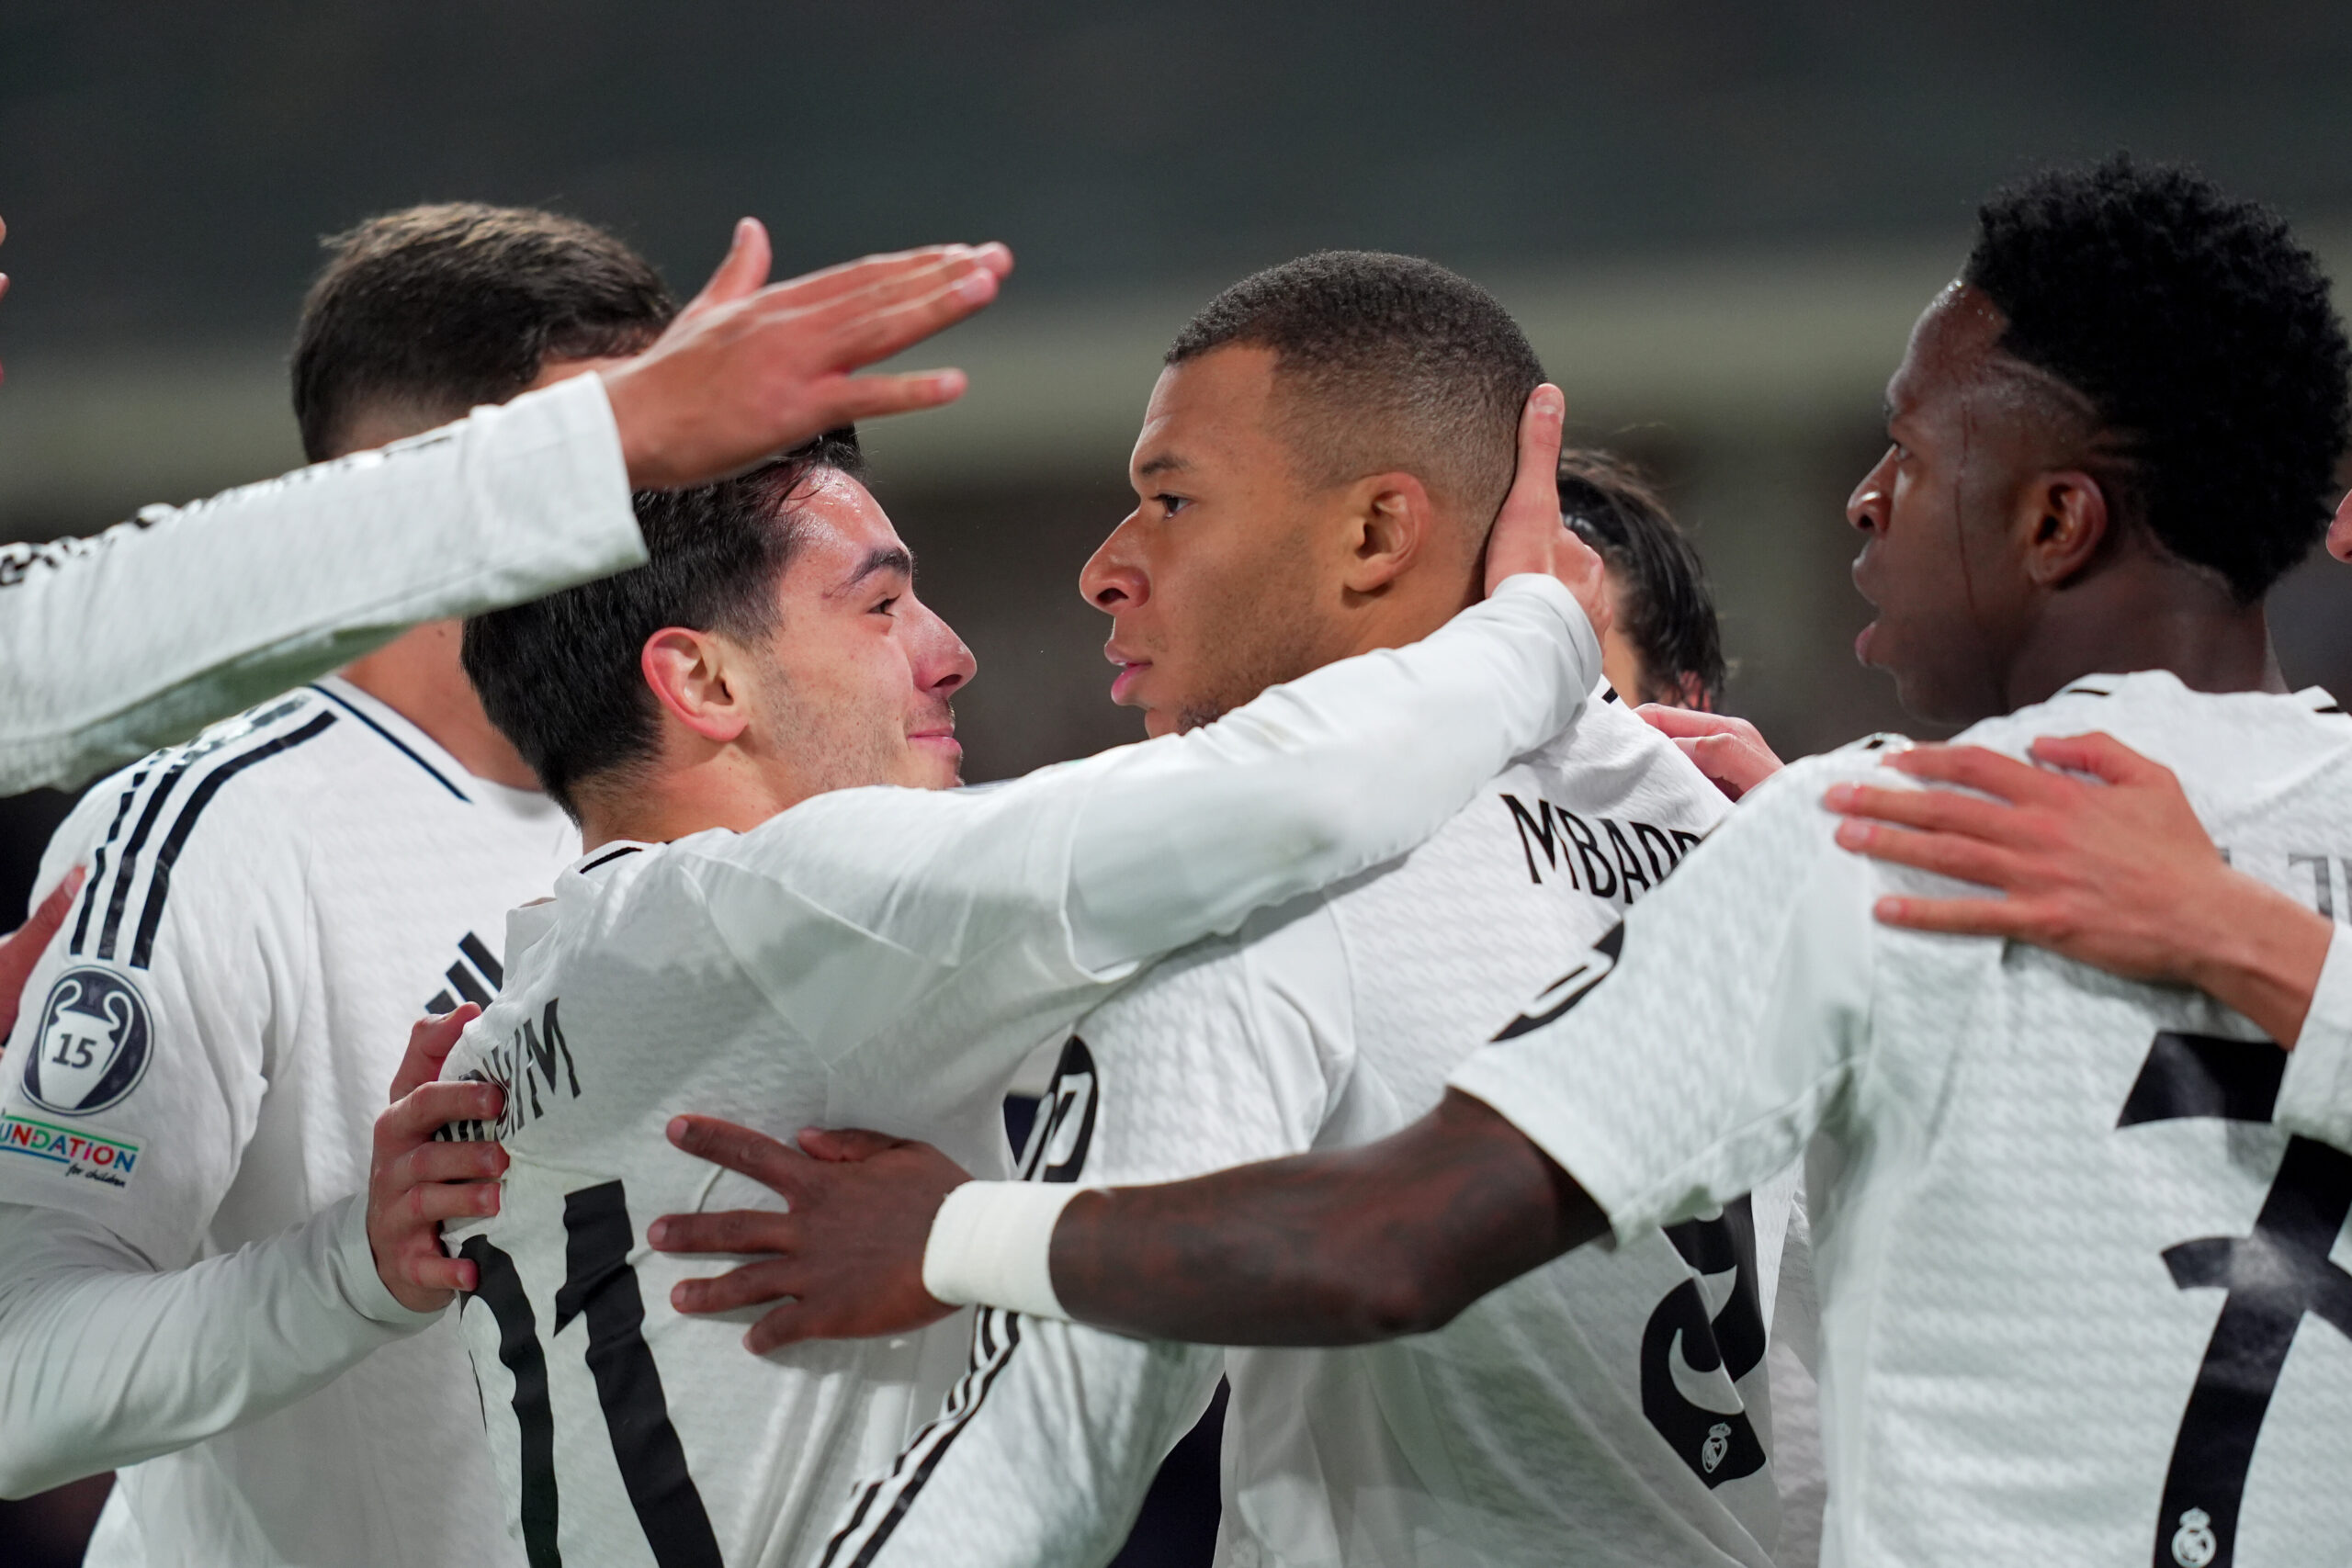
(884,958)
(112,646)
(1105,862)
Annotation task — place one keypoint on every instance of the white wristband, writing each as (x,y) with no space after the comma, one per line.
(991,1242)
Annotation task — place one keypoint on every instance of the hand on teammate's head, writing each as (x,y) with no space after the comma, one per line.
(414,1183)
(752,369)
(1730,751)
(1529,535)
(22,948)
(846,1258)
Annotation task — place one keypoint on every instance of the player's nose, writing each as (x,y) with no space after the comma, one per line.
(1111,580)
(943,662)
(1868,507)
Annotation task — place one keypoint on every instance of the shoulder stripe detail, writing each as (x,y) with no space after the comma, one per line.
(124,875)
(990,1357)
(159,885)
(97,881)
(473,947)
(395,742)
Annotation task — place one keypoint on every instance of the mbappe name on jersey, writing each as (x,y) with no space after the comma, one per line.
(1636,858)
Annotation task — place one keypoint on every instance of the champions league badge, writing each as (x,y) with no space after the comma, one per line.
(93,1046)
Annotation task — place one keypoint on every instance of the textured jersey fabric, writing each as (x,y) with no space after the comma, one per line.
(113,645)
(2081,1300)
(1609,1409)
(199,1066)
(882,958)
(2315,1095)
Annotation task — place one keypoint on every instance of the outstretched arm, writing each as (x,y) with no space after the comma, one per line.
(114,645)
(1335,1248)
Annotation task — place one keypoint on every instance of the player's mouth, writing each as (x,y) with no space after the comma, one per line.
(1864,639)
(940,739)
(1130,671)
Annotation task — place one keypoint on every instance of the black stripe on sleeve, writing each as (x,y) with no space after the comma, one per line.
(473,990)
(395,743)
(473,947)
(159,886)
(124,875)
(99,863)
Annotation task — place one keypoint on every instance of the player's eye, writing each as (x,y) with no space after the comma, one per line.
(882,607)
(1170,506)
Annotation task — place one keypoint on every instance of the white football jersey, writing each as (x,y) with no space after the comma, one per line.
(2081,1301)
(1611,1408)
(200,1061)
(881,958)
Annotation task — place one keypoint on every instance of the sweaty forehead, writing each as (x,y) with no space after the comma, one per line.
(842,534)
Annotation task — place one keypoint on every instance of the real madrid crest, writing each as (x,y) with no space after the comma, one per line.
(1717,1445)
(93,1046)
(2193,1545)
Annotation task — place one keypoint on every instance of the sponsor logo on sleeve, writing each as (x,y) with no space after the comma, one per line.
(73,1155)
(93,1044)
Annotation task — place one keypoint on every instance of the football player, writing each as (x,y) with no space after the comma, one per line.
(2079,1301)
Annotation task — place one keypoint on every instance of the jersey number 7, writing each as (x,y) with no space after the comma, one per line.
(600,1286)
(2274,1279)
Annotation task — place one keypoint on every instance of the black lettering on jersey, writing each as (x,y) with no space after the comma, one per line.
(1571,987)
(1634,860)
(1718,1445)
(524,1068)
(2273,1280)
(1629,865)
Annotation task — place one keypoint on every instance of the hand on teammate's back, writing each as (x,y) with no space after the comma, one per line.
(752,369)
(1730,751)
(22,948)
(850,1250)
(414,1183)
(2118,873)
(1529,533)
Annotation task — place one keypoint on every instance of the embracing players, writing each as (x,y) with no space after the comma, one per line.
(2078,1299)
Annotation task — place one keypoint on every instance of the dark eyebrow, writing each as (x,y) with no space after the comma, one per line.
(886,558)
(1166,463)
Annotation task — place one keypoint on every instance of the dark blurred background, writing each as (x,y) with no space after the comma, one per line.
(1716,217)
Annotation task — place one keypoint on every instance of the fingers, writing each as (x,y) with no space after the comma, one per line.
(763,1159)
(1957,917)
(1943,811)
(1945,854)
(428,1108)
(1690,723)
(741,271)
(441,1273)
(430,1203)
(1535,483)
(439,1162)
(873,324)
(844,1144)
(731,1230)
(1989,773)
(754,1284)
(22,951)
(872,397)
(2102,756)
(430,1041)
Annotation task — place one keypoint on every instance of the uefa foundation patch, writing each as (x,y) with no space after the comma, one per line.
(73,1156)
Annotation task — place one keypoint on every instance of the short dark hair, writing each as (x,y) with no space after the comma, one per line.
(1665,607)
(2201,333)
(439,308)
(561,677)
(1392,362)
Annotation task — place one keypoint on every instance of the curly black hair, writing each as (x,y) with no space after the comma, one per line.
(2202,335)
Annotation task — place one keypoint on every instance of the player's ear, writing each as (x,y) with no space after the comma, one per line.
(2065,522)
(1389,522)
(688,671)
